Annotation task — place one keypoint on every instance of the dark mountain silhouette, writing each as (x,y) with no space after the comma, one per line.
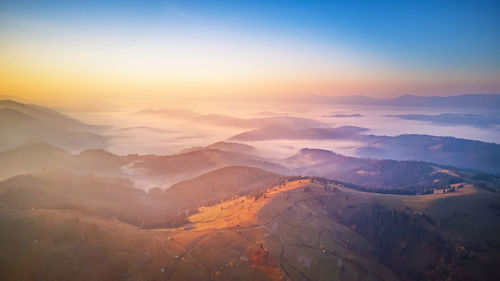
(462,153)
(373,174)
(456,152)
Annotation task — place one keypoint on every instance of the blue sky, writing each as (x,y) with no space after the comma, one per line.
(421,41)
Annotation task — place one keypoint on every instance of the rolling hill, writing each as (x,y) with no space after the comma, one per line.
(296,231)
(120,199)
(186,165)
(148,171)
(145,170)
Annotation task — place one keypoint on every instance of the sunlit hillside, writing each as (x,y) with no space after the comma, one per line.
(249,140)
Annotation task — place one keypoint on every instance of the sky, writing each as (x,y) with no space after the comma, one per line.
(158,50)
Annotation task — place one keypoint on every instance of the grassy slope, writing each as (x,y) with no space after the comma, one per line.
(294,223)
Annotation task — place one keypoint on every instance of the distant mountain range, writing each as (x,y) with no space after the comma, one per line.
(45,140)
(230,121)
(374,174)
(463,153)
(294,133)
(490,101)
(454,119)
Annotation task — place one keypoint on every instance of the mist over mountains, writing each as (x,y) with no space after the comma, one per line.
(249,140)
(485,101)
(149,171)
(441,150)
(50,130)
(235,207)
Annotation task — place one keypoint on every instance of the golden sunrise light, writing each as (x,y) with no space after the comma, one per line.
(249,140)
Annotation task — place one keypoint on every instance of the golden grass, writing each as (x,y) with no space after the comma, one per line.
(290,222)
(241,211)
